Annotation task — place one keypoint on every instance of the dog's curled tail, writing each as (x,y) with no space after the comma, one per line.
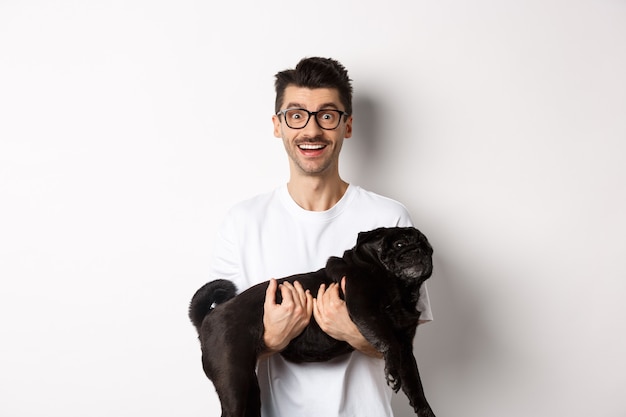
(207,297)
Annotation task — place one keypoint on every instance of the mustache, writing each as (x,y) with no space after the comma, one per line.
(315,139)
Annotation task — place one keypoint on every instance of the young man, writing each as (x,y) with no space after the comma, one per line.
(294,229)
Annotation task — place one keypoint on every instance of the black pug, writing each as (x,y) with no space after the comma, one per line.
(384,272)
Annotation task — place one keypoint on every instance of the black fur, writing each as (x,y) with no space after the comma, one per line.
(384,273)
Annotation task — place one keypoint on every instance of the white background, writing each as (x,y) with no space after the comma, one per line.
(127,129)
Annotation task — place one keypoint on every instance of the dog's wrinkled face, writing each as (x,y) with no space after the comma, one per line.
(405,252)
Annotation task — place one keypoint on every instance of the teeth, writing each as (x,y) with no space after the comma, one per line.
(310,146)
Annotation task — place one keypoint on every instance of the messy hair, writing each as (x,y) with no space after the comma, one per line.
(312,73)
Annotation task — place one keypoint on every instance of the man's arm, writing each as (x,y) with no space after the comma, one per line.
(331,314)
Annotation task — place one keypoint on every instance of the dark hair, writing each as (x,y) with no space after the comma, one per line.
(316,72)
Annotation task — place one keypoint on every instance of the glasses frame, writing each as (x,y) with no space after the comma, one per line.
(342,114)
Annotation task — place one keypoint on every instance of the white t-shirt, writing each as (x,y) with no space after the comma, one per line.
(270,236)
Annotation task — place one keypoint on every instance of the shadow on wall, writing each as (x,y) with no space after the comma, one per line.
(458,339)
(364,152)
(458,344)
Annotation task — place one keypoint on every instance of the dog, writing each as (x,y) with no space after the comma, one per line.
(383,273)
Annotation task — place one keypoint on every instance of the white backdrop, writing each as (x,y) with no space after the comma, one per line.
(127,128)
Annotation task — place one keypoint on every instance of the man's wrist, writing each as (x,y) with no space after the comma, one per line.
(361,344)
(273,345)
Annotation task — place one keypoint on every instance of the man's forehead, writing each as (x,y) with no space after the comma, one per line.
(311,96)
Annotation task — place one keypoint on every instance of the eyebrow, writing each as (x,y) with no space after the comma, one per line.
(329,105)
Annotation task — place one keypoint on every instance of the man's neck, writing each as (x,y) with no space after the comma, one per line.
(316,194)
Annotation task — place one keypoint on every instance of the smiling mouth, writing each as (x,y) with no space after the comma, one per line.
(311,146)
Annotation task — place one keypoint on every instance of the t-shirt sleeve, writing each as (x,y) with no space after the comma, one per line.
(225,261)
(423,303)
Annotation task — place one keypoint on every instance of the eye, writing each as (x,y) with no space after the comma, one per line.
(399,244)
(295,114)
(327,116)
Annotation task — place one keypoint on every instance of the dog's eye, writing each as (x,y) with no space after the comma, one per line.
(400,244)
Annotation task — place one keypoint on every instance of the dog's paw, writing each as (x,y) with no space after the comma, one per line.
(393,382)
(424,411)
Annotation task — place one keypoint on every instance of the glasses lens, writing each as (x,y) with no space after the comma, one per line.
(328,119)
(296,118)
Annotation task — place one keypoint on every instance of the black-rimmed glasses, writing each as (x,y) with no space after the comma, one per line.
(327,119)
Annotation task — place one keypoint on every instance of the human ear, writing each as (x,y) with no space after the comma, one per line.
(348,132)
(277,129)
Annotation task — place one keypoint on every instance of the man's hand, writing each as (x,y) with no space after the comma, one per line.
(331,314)
(285,321)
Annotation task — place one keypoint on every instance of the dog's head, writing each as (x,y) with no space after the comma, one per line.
(403,251)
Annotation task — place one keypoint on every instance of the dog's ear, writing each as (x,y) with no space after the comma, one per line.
(336,268)
(369,244)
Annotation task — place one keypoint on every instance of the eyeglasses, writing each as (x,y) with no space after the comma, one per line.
(327,119)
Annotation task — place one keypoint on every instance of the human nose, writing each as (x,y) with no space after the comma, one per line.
(312,127)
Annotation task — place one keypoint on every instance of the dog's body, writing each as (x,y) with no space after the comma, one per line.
(384,273)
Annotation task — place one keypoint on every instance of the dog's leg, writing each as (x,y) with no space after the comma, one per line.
(243,399)
(364,304)
(411,381)
(380,334)
(239,393)
(233,374)
(400,365)
(254,399)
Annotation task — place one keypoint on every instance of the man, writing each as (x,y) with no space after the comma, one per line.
(294,229)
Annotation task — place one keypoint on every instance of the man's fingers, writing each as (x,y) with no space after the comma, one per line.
(270,293)
(318,307)
(287,291)
(316,311)
(309,303)
(300,292)
(305,297)
(332,293)
(320,292)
